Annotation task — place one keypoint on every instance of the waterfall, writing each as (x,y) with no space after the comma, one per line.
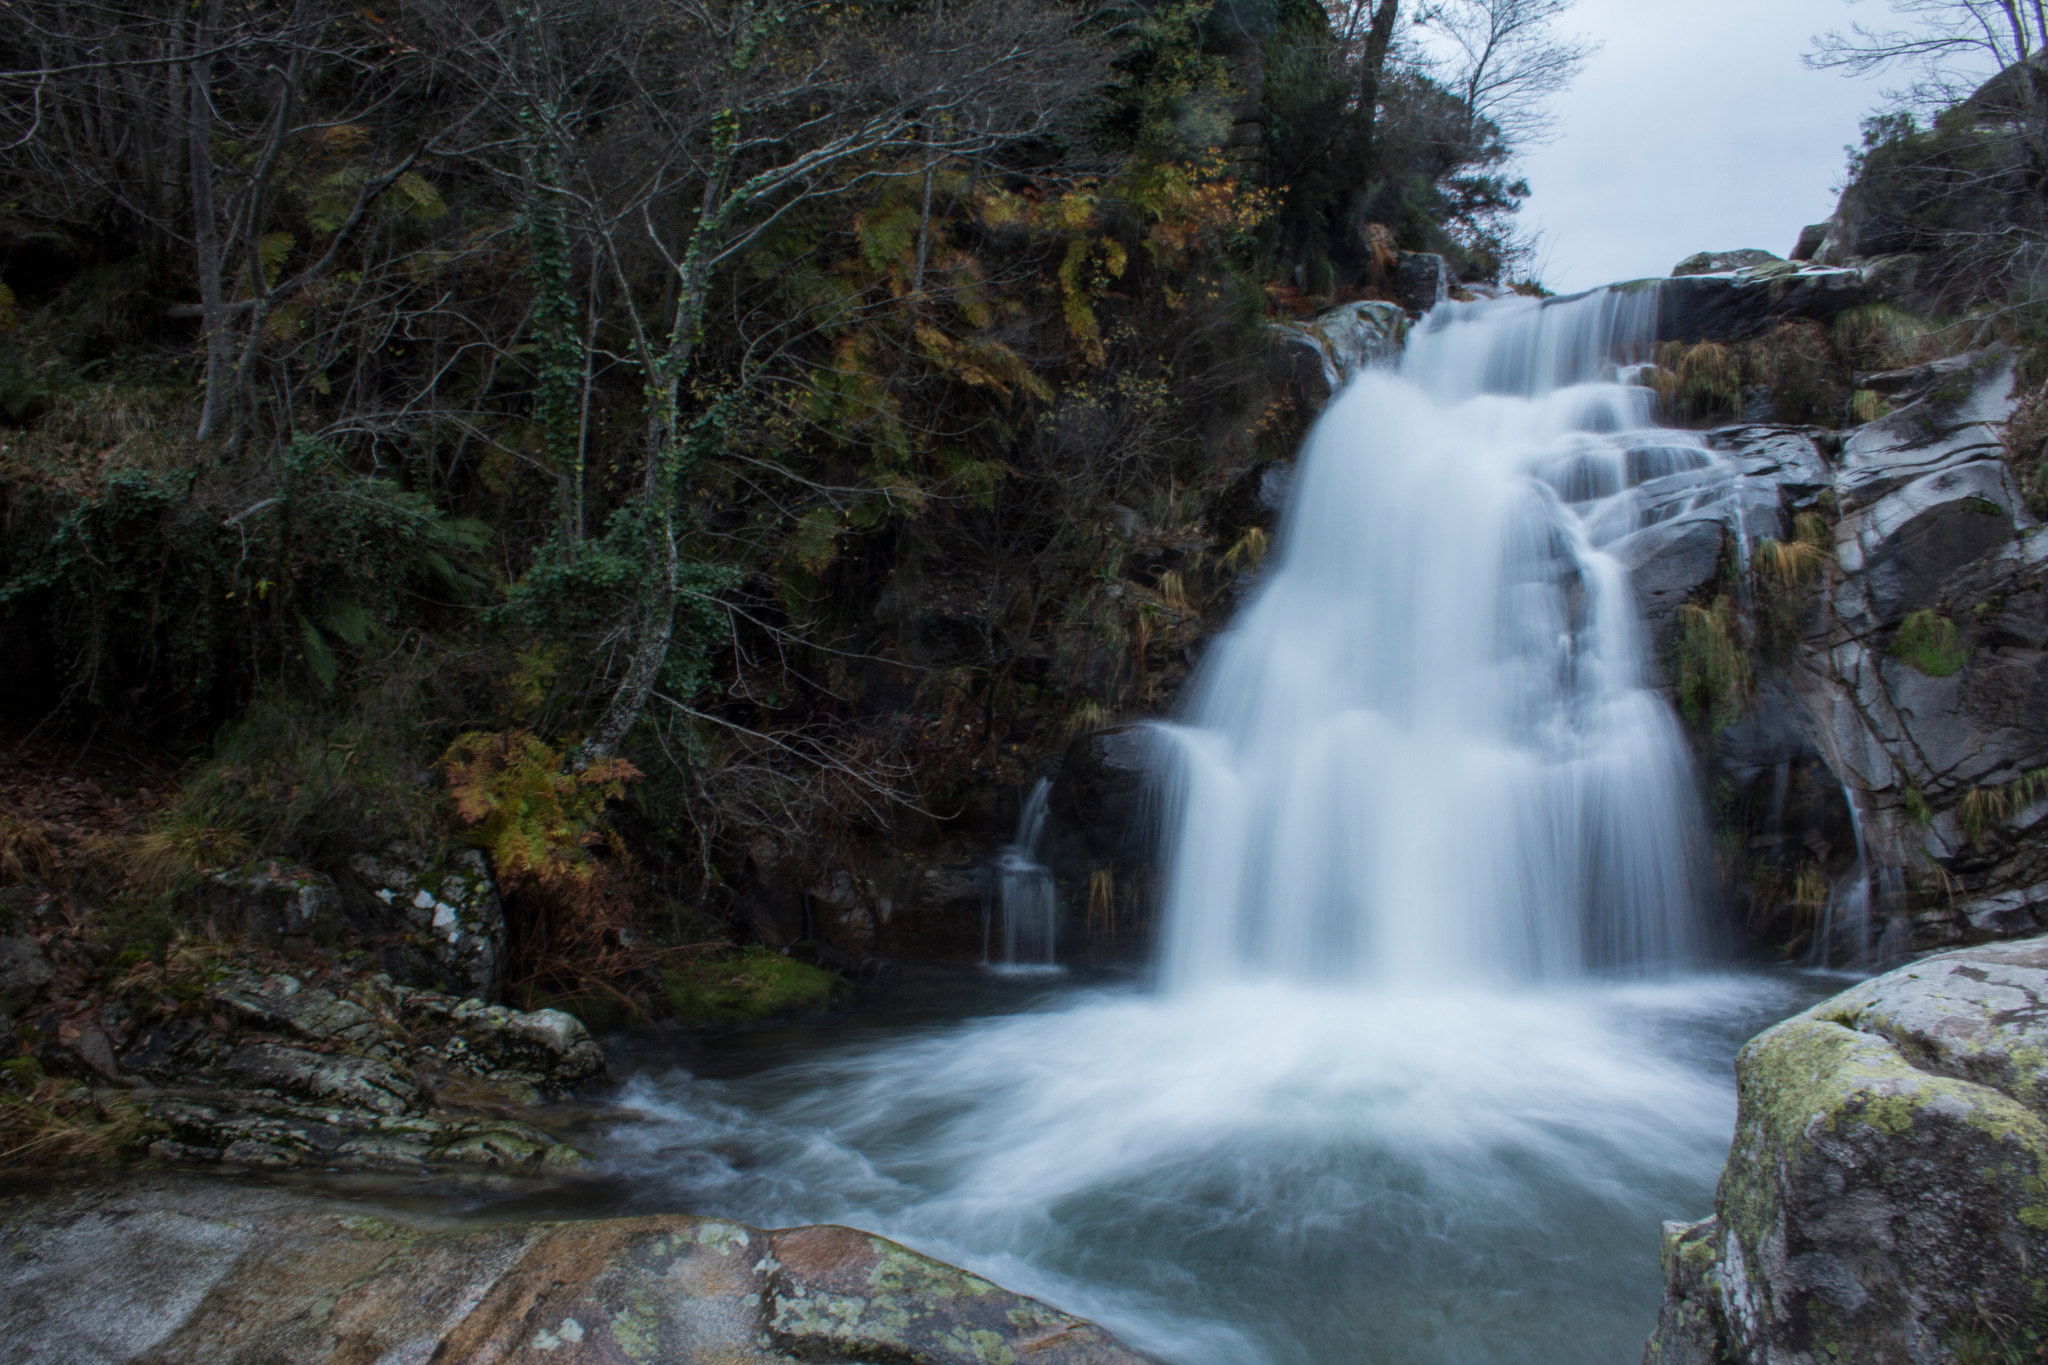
(1024,897)
(1847,912)
(1428,749)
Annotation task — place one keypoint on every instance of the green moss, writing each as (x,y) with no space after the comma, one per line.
(20,1074)
(755,986)
(1866,405)
(1928,641)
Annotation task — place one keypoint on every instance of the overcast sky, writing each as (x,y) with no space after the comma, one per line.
(1695,128)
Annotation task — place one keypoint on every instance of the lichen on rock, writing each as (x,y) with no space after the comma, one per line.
(1886,1196)
(248,1272)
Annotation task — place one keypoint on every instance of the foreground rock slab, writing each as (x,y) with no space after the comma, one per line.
(191,1271)
(1886,1198)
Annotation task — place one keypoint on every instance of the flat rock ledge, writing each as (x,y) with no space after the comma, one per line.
(1886,1197)
(216,1272)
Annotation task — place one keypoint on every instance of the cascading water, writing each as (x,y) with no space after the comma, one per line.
(1427,750)
(1416,1092)
(1025,900)
(1843,938)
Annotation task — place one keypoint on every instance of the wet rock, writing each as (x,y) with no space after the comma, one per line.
(1810,239)
(1955,422)
(1909,546)
(1920,381)
(1257,497)
(1668,564)
(1926,518)
(1791,461)
(1342,342)
(172,1271)
(24,971)
(275,904)
(1101,790)
(1721,262)
(448,909)
(1883,1197)
(1422,280)
(1744,304)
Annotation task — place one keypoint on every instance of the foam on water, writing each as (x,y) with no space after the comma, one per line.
(1231,1174)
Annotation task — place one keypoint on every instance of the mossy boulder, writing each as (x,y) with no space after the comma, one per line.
(1886,1197)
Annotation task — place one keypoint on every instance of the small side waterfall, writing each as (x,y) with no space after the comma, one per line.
(1024,900)
(1428,750)
(1847,912)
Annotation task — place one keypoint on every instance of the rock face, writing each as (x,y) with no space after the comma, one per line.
(1886,1198)
(278,905)
(1744,303)
(434,921)
(24,971)
(1936,754)
(1341,343)
(1422,281)
(1933,535)
(271,1072)
(181,1272)
(451,908)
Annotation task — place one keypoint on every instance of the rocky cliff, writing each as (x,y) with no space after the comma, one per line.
(1888,583)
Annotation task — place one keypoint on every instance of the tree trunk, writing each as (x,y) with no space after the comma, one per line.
(664,472)
(1378,38)
(220,350)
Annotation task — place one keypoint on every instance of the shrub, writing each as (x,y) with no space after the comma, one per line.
(531,814)
(1712,664)
(1929,641)
(1697,383)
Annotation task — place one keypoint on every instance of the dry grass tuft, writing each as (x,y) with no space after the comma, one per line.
(27,858)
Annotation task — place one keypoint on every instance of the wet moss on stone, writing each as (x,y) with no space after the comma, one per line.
(754,987)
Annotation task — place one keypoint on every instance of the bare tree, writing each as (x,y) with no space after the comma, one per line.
(1505,59)
(1954,175)
(267,155)
(1950,46)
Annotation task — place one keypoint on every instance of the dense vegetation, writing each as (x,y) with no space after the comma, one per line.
(664,440)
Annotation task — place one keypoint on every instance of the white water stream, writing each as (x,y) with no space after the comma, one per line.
(1428,751)
(1024,902)
(1433,1048)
